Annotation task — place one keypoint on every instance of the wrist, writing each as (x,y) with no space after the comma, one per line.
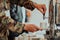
(24,29)
(35,5)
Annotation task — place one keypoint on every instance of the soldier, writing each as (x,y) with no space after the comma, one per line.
(29,5)
(8,24)
(15,26)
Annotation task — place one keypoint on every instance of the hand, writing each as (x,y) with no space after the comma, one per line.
(31,28)
(41,8)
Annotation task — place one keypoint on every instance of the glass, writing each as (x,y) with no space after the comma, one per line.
(43,25)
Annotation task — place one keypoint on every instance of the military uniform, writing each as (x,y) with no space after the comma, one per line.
(8,24)
(13,6)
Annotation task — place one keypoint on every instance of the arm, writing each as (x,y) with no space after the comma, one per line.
(28,4)
(11,24)
(18,27)
(31,5)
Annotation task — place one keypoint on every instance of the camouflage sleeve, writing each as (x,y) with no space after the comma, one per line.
(16,27)
(10,24)
(27,4)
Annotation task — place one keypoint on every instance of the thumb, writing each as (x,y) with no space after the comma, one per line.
(41,10)
(38,28)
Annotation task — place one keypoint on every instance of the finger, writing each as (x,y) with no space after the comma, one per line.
(45,10)
(41,10)
(39,28)
(32,28)
(44,7)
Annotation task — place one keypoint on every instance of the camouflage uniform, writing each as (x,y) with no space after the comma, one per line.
(8,24)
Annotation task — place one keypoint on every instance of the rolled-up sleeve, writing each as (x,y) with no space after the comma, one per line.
(15,26)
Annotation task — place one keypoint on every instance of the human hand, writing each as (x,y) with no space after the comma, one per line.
(41,8)
(31,28)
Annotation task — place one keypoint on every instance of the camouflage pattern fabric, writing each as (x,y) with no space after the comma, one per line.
(8,24)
